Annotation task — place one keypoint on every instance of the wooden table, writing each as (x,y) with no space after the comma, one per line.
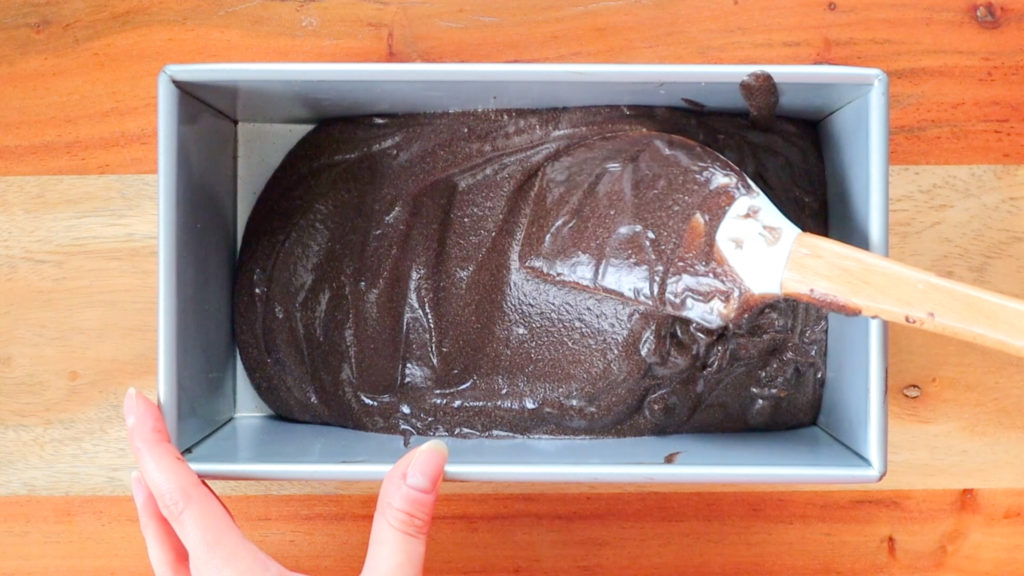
(78,286)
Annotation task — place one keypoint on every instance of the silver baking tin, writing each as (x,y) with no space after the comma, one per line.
(224,127)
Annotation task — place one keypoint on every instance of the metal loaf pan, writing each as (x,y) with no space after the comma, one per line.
(223,128)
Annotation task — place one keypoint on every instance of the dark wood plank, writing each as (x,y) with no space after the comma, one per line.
(79,78)
(904,532)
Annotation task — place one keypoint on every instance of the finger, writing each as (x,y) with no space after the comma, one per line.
(405,508)
(222,504)
(201,523)
(166,552)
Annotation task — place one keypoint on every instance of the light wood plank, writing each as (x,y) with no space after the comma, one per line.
(78,326)
(80,95)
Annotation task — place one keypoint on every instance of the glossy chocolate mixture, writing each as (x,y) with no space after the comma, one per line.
(380,284)
(634,215)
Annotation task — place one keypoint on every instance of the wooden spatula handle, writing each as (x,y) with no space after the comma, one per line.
(852,281)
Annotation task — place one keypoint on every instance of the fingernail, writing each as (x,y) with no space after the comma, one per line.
(137,487)
(427,466)
(129,407)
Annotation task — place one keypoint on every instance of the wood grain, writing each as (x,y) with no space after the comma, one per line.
(79,98)
(905,532)
(78,326)
(78,285)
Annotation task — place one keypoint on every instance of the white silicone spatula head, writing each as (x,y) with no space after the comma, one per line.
(755,239)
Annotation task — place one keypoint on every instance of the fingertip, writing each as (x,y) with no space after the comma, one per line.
(146,425)
(436,445)
(426,470)
(129,407)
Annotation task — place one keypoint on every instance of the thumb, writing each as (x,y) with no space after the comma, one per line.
(405,507)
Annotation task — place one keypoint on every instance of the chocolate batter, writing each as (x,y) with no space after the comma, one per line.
(381,287)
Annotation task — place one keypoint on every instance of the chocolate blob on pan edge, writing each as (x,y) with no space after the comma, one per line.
(379,286)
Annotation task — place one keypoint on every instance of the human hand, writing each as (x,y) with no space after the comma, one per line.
(189,531)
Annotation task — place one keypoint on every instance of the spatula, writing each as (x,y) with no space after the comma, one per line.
(668,222)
